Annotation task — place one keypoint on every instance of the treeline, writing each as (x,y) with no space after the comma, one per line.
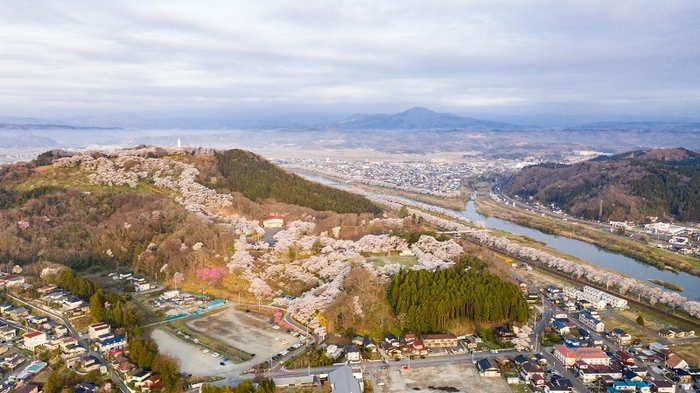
(144,354)
(113,309)
(258,179)
(266,385)
(73,283)
(432,301)
(11,198)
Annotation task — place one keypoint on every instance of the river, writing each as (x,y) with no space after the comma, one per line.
(594,255)
(579,249)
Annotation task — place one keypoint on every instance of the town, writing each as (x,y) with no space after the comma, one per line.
(565,347)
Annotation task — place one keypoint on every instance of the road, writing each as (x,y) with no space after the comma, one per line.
(115,376)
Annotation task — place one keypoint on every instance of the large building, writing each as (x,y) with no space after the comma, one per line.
(445,340)
(569,356)
(598,299)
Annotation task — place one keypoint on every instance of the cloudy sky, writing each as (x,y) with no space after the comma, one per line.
(207,58)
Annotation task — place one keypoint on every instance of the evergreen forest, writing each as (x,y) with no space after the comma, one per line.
(433,301)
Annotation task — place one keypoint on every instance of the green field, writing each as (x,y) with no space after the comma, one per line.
(380,261)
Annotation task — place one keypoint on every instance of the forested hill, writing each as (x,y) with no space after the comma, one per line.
(258,179)
(632,186)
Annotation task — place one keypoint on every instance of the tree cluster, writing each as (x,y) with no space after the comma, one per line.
(113,309)
(266,385)
(71,282)
(258,179)
(432,301)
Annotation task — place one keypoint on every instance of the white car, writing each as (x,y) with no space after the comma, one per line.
(284,342)
(205,350)
(276,327)
(215,355)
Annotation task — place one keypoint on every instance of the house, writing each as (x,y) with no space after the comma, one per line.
(675,361)
(625,358)
(590,321)
(72,350)
(488,368)
(445,340)
(590,373)
(537,382)
(139,376)
(303,381)
(6,387)
(85,387)
(89,363)
(353,353)
(620,336)
(667,333)
(560,327)
(521,359)
(663,387)
(7,333)
(153,382)
(114,342)
(97,329)
(342,380)
(17,314)
(34,339)
(71,303)
(12,361)
(630,386)
(46,289)
(36,319)
(273,222)
(528,370)
(29,388)
(470,342)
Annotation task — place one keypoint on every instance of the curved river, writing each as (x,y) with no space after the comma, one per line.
(593,254)
(576,248)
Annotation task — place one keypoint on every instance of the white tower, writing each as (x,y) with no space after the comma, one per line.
(179,144)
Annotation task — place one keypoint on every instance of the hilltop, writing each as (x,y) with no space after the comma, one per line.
(632,185)
(72,208)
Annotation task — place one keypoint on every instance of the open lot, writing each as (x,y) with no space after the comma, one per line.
(445,378)
(235,329)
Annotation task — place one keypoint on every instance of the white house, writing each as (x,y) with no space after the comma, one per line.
(34,339)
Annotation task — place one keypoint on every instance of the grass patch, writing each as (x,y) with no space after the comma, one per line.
(381,261)
(518,388)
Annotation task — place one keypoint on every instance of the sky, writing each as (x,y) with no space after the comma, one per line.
(639,59)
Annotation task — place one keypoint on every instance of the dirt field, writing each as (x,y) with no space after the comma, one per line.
(445,378)
(249,332)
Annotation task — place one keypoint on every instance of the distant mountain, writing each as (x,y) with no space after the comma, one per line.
(50,126)
(641,126)
(418,119)
(631,186)
(25,141)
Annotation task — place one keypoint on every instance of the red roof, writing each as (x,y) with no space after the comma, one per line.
(273,218)
(33,334)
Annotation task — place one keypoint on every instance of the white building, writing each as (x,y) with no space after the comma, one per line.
(592,322)
(34,339)
(97,329)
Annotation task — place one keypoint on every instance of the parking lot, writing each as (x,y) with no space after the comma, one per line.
(249,332)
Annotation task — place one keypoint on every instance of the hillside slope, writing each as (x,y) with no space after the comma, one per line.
(258,179)
(632,186)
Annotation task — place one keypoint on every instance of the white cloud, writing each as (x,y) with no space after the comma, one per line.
(79,57)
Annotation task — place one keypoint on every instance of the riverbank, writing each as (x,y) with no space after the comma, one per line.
(647,254)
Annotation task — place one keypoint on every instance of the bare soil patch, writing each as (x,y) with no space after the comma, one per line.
(450,378)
